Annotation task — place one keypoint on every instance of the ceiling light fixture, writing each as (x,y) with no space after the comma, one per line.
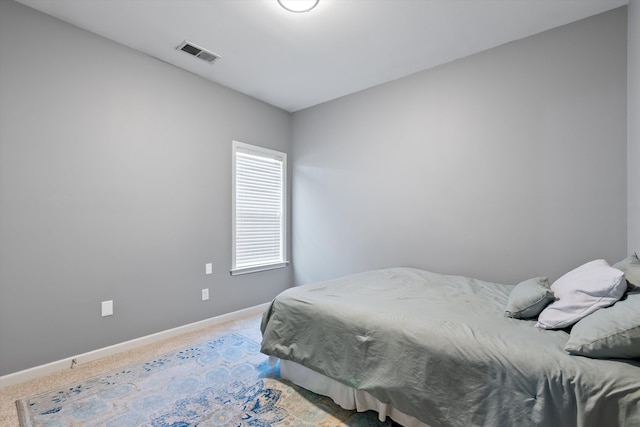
(298,6)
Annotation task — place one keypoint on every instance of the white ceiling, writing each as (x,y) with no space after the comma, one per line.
(297,60)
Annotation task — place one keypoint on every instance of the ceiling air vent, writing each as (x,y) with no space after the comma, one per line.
(198,52)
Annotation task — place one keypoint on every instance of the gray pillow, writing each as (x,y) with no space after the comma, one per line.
(529,298)
(631,268)
(612,332)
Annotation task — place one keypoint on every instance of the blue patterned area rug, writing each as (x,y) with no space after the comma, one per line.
(222,382)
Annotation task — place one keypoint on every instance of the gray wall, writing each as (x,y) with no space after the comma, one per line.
(115,177)
(115,183)
(633,124)
(504,165)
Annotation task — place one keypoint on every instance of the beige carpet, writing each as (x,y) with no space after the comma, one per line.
(248,327)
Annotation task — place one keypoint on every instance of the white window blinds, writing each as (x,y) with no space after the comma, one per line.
(259,189)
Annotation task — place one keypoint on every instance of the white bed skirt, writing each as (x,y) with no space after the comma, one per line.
(345,396)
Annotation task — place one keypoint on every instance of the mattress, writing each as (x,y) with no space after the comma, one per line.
(439,348)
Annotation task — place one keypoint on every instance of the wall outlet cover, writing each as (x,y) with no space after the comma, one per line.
(205,294)
(107,308)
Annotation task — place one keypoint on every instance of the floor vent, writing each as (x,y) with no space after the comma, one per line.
(198,52)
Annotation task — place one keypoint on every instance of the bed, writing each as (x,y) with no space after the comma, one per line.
(428,349)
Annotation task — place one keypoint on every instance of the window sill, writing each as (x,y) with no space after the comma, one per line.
(247,270)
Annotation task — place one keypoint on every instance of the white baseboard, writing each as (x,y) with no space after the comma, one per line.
(60,365)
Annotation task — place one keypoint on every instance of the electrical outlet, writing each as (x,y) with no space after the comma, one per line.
(208,268)
(107,308)
(205,294)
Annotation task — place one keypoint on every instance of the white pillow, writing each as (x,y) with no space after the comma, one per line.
(582,291)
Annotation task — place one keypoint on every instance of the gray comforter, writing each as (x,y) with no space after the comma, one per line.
(440,348)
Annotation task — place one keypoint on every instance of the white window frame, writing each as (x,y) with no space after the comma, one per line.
(241,147)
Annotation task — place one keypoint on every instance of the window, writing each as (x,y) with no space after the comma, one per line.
(259,207)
